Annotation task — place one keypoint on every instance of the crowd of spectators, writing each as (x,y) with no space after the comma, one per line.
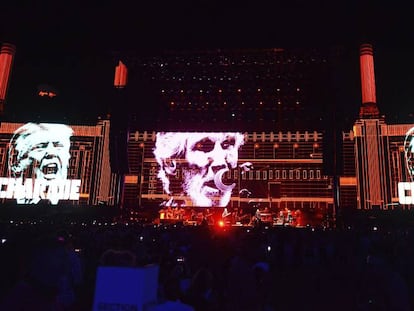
(52,266)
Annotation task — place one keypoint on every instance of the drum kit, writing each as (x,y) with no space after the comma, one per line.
(176,213)
(284,217)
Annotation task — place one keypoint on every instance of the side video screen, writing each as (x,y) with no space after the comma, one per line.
(38,156)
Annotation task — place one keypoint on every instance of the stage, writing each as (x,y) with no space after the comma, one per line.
(219,216)
(216,216)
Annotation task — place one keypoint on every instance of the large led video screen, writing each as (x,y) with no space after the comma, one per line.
(225,169)
(193,165)
(53,163)
(406,187)
(38,162)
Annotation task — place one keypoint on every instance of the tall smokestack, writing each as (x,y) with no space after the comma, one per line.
(369,107)
(7,52)
(121,75)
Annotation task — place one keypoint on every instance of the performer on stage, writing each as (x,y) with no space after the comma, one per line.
(208,217)
(225,213)
(169,213)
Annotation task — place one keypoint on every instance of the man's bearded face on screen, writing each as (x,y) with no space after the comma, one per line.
(409,152)
(205,158)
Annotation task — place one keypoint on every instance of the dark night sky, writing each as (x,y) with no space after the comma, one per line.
(69,46)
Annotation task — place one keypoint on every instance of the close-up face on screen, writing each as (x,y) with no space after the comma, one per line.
(202,159)
(40,152)
(409,152)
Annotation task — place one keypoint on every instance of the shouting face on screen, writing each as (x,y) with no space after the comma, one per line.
(40,152)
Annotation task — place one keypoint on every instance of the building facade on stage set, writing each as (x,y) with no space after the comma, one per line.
(228,130)
(378,174)
(377,157)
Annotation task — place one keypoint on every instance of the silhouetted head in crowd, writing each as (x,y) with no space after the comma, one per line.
(198,161)
(48,264)
(118,258)
(172,289)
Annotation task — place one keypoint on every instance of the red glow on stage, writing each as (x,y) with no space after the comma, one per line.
(220,223)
